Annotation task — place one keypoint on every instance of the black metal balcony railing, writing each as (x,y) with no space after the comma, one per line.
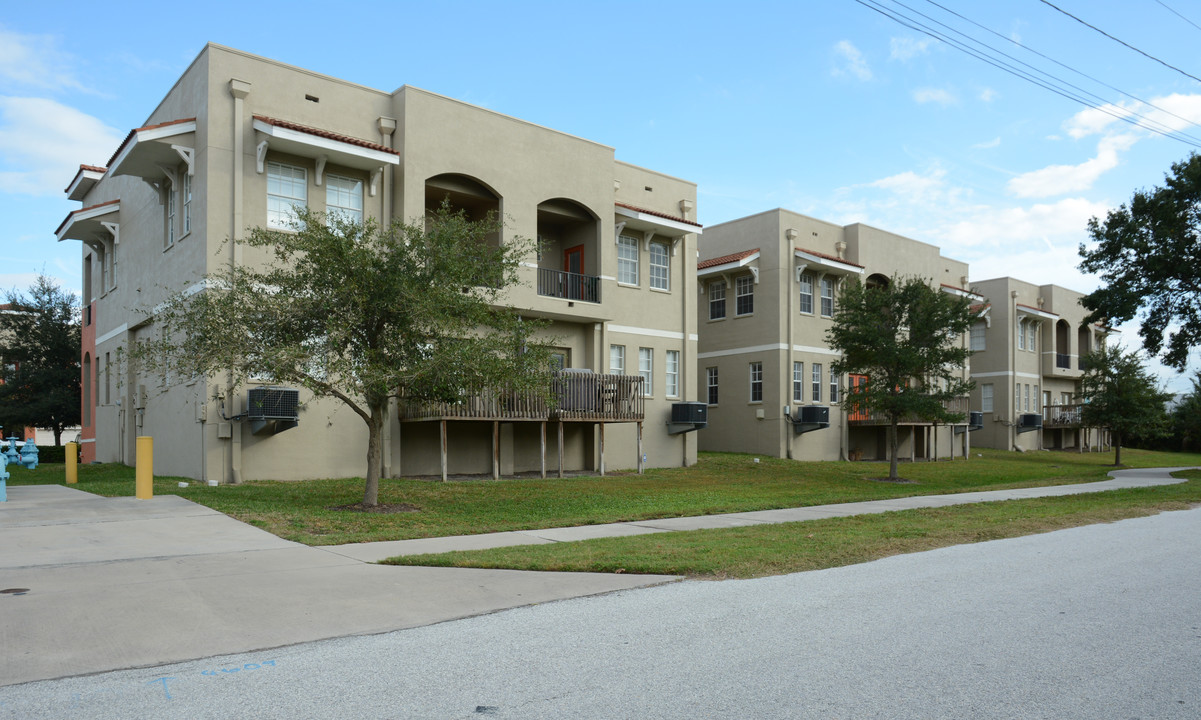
(1063,361)
(1083,364)
(573,396)
(568,285)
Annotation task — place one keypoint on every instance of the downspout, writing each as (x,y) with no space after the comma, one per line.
(792,269)
(387,126)
(239,89)
(1013,367)
(682,370)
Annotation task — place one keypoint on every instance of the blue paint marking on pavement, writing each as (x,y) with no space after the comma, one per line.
(163,680)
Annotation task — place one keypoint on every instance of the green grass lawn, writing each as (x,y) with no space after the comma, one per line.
(719,483)
(794,547)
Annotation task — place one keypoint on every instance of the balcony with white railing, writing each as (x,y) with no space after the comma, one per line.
(1063,416)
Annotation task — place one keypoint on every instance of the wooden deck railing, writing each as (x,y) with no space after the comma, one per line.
(956,405)
(574,396)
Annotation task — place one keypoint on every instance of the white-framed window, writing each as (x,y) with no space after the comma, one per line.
(110,267)
(827,296)
(172,199)
(711,384)
(807,293)
(1021,334)
(1036,396)
(344,197)
(617,359)
(627,260)
(1027,397)
(108,380)
(816,378)
(798,382)
(1032,337)
(187,203)
(986,397)
(646,368)
(833,387)
(979,334)
(671,388)
(717,300)
(660,267)
(744,295)
(287,188)
(1017,398)
(756,382)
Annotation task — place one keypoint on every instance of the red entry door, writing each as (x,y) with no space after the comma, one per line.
(573,260)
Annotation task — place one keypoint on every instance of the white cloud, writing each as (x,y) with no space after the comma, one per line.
(910,185)
(988,95)
(1060,179)
(43,142)
(934,95)
(36,61)
(907,48)
(995,142)
(851,61)
(1173,112)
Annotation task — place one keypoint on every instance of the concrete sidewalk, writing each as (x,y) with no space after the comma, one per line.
(376,551)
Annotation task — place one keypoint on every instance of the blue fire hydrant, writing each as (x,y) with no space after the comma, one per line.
(11,453)
(29,455)
(3,477)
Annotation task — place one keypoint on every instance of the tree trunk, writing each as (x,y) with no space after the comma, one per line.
(375,433)
(1117,449)
(892,450)
(58,434)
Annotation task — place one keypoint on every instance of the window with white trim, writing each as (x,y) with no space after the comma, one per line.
(1017,398)
(671,387)
(711,384)
(287,188)
(717,300)
(1027,397)
(627,260)
(187,202)
(744,295)
(807,293)
(344,197)
(172,198)
(756,382)
(646,368)
(660,267)
(1031,336)
(827,296)
(798,382)
(1021,334)
(833,387)
(617,359)
(979,335)
(986,397)
(816,378)
(1035,394)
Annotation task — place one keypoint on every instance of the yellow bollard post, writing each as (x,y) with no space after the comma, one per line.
(144,463)
(72,450)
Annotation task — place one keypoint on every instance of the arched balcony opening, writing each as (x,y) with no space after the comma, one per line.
(476,200)
(1084,345)
(568,251)
(1063,355)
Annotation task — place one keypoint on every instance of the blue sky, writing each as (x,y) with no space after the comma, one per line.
(827,108)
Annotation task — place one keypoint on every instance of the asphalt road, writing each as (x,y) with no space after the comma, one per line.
(1095,622)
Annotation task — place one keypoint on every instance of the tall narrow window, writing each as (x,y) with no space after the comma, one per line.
(646,368)
(1035,394)
(816,382)
(187,202)
(978,337)
(672,367)
(660,267)
(827,296)
(108,379)
(344,198)
(172,198)
(717,300)
(986,397)
(617,359)
(798,382)
(1031,337)
(1017,398)
(711,384)
(1027,398)
(744,295)
(1021,335)
(756,382)
(833,387)
(627,260)
(287,188)
(807,293)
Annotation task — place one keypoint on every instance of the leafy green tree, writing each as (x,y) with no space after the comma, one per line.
(906,338)
(1186,418)
(39,352)
(1149,256)
(363,314)
(1119,393)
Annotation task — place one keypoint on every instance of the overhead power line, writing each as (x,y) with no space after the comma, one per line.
(1122,42)
(1190,22)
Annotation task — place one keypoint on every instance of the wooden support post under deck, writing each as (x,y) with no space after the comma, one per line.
(443,436)
(602,449)
(639,447)
(543,424)
(560,448)
(933,441)
(495,450)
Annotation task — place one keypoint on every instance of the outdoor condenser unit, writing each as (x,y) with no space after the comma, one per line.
(807,418)
(272,408)
(688,416)
(975,421)
(1028,422)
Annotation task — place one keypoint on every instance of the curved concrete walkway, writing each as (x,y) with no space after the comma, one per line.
(376,551)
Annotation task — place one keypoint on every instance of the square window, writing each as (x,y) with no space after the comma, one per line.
(287,188)
(646,368)
(717,300)
(711,384)
(627,260)
(344,198)
(660,266)
(744,295)
(756,382)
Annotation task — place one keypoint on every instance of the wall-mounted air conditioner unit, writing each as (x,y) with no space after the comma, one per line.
(688,416)
(807,418)
(272,408)
(1028,422)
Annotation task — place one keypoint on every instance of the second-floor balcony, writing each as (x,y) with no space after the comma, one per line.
(1062,416)
(1063,360)
(960,405)
(568,285)
(573,396)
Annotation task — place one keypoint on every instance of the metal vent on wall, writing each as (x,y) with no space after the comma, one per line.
(688,416)
(272,408)
(1029,422)
(807,418)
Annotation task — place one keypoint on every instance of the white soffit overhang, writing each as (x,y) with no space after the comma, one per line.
(84,181)
(732,265)
(1035,312)
(340,152)
(961,292)
(149,152)
(89,224)
(831,266)
(637,220)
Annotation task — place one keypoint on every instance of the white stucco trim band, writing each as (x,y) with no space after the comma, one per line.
(651,332)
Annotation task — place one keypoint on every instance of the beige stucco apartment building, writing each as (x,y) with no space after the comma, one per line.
(239,139)
(768,285)
(1030,342)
